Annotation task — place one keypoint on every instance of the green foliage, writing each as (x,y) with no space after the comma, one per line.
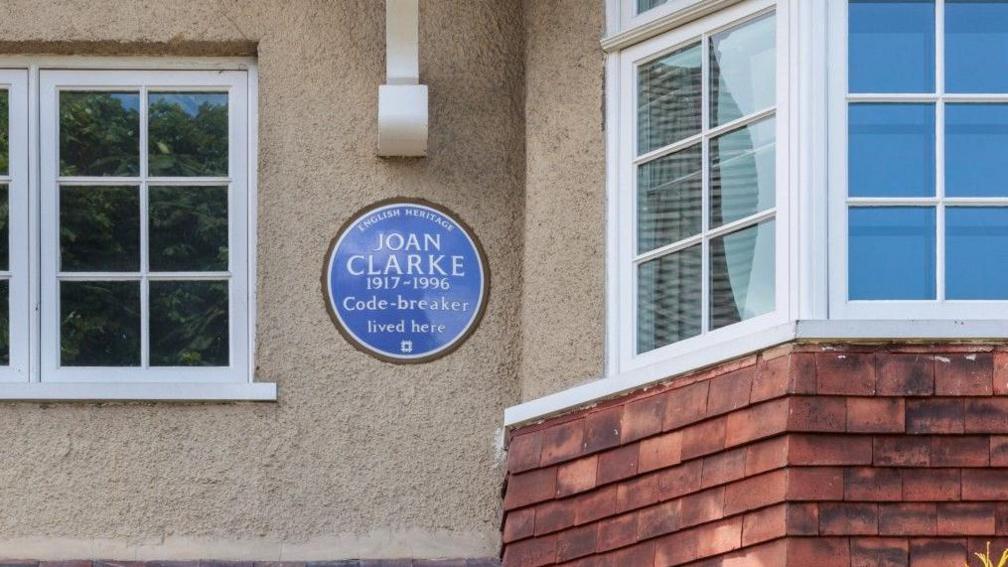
(100,323)
(4,322)
(184,144)
(99,134)
(4,284)
(4,132)
(4,227)
(99,229)
(189,323)
(188,228)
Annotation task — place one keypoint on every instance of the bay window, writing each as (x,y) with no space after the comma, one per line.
(803,169)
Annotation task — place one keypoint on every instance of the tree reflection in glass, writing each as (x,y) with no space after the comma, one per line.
(188,135)
(99,323)
(4,322)
(99,133)
(4,132)
(99,229)
(4,228)
(188,229)
(189,323)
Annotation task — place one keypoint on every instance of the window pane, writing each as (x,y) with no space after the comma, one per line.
(189,323)
(4,132)
(4,322)
(742,275)
(976,150)
(891,48)
(976,46)
(100,323)
(99,134)
(976,253)
(669,198)
(892,253)
(188,134)
(188,229)
(645,5)
(668,299)
(742,66)
(891,150)
(742,172)
(669,99)
(4,227)
(99,229)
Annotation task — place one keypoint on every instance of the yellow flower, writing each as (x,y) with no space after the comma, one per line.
(986,561)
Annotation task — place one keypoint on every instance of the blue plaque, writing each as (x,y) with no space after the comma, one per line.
(405,281)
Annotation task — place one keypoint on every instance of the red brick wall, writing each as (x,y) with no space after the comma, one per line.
(803,455)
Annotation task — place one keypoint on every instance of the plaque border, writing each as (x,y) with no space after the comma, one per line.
(481,256)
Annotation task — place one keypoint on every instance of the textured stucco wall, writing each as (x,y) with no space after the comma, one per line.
(358,458)
(563,302)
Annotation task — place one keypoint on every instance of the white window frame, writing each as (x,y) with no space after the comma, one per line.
(622,265)
(941,308)
(630,18)
(41,78)
(51,83)
(625,27)
(15,82)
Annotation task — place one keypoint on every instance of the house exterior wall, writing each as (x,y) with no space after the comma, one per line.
(563,295)
(806,454)
(802,454)
(358,458)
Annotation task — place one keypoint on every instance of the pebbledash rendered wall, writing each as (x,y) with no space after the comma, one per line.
(357,458)
(563,268)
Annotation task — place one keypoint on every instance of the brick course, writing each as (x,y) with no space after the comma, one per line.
(804,454)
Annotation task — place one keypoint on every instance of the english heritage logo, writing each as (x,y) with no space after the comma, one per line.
(406,281)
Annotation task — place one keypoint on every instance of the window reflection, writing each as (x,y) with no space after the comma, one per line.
(99,323)
(678,199)
(976,136)
(892,253)
(669,199)
(743,71)
(99,133)
(742,275)
(188,229)
(742,178)
(188,134)
(976,253)
(669,99)
(891,47)
(99,229)
(189,323)
(976,46)
(4,132)
(669,299)
(891,150)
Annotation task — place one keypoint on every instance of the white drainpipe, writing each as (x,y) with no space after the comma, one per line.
(402,101)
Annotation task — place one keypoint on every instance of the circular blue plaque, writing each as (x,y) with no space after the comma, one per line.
(405,281)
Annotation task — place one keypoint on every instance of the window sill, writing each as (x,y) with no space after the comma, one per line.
(808,330)
(108,391)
